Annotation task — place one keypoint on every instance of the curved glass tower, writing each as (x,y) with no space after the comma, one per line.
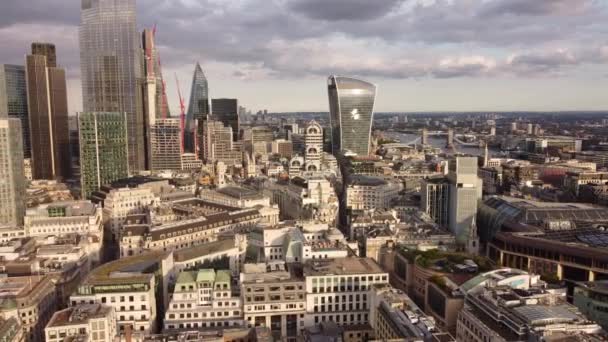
(198,107)
(351,107)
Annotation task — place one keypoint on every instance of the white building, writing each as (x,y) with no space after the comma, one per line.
(235,196)
(119,203)
(203,299)
(367,193)
(339,290)
(95,322)
(61,218)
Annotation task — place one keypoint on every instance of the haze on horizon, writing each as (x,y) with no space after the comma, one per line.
(424,55)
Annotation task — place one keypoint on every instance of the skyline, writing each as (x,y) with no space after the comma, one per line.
(474,55)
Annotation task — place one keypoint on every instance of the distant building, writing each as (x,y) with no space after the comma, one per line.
(218,145)
(351,106)
(465,191)
(435,195)
(313,139)
(48,114)
(103,149)
(367,193)
(12,187)
(227,112)
(198,110)
(165,145)
(96,322)
(13,100)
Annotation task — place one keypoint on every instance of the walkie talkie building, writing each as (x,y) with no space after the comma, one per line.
(351,106)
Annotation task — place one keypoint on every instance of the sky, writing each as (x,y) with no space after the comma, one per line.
(424,55)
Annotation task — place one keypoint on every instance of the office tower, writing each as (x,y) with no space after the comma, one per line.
(13,100)
(111,70)
(313,140)
(218,145)
(12,180)
(351,106)
(465,191)
(227,111)
(165,154)
(47,50)
(198,108)
(48,114)
(424,139)
(434,199)
(103,149)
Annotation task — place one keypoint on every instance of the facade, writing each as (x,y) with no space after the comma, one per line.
(31,300)
(339,290)
(63,218)
(465,191)
(591,298)
(12,187)
(218,145)
(204,299)
(111,70)
(119,203)
(165,145)
(13,100)
(96,322)
(367,193)
(48,116)
(103,149)
(313,139)
(351,107)
(274,298)
(198,109)
(137,288)
(282,147)
(227,112)
(435,194)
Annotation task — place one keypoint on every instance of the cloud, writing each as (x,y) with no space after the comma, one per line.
(535,7)
(347,10)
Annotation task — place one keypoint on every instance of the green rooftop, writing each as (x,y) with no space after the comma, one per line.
(184,279)
(205,275)
(222,276)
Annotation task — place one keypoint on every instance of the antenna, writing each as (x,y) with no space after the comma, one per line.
(182,108)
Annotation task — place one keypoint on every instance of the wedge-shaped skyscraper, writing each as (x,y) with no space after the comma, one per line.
(198,108)
(351,106)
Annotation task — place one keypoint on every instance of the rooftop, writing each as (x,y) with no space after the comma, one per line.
(342,266)
(130,270)
(78,314)
(366,180)
(202,250)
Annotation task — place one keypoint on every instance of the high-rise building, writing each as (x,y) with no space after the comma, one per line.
(13,100)
(218,145)
(111,70)
(12,180)
(227,111)
(103,149)
(434,201)
(351,106)
(198,109)
(47,50)
(450,139)
(424,139)
(48,114)
(165,148)
(465,191)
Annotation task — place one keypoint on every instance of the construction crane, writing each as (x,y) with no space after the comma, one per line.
(182,116)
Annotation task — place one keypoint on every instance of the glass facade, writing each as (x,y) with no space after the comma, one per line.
(13,100)
(351,106)
(227,111)
(103,149)
(111,67)
(198,108)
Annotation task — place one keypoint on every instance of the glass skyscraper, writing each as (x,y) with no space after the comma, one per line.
(198,108)
(12,179)
(227,112)
(103,149)
(13,100)
(351,106)
(111,67)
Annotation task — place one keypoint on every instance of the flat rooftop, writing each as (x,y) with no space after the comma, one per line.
(342,266)
(202,250)
(129,270)
(78,314)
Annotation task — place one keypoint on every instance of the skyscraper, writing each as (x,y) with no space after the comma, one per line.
(13,100)
(47,50)
(465,191)
(103,149)
(165,135)
(110,61)
(48,114)
(198,108)
(227,111)
(351,106)
(12,180)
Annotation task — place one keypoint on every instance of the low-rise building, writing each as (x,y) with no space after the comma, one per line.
(228,251)
(93,322)
(275,297)
(204,299)
(367,193)
(62,218)
(235,196)
(591,298)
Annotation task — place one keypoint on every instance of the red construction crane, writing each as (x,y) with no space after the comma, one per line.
(182,116)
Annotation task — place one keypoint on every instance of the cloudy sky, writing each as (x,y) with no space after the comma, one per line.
(424,55)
